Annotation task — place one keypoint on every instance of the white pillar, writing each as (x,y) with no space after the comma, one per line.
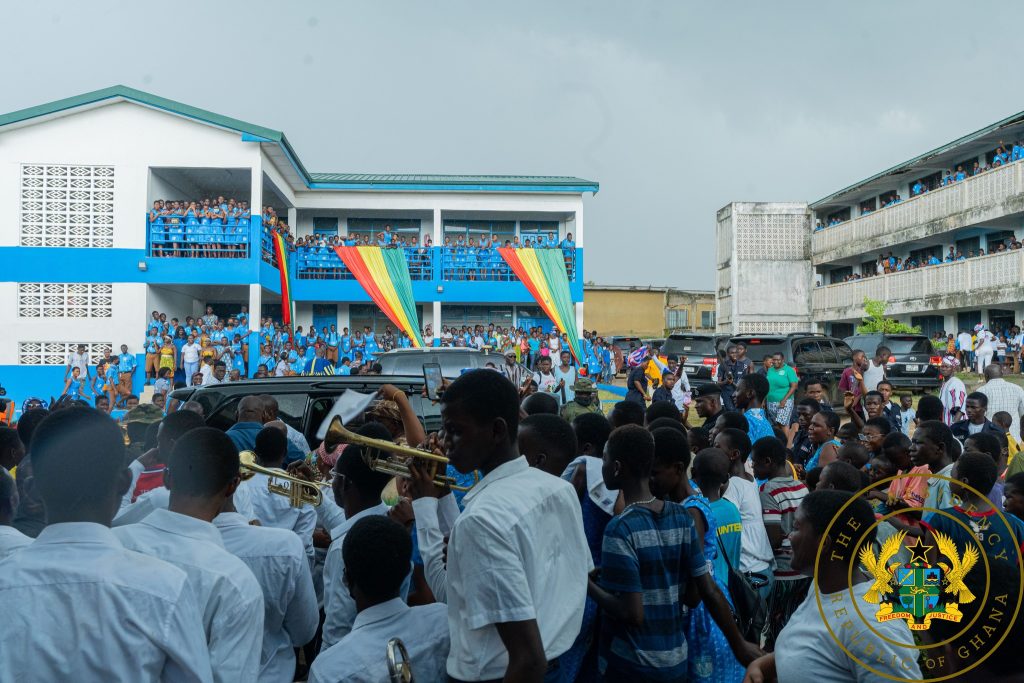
(293,220)
(577,231)
(343,317)
(255,310)
(255,225)
(579,318)
(437,317)
(438,239)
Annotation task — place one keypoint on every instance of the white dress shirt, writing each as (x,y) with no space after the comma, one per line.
(517,552)
(339,607)
(1004,396)
(328,516)
(274,510)
(359,656)
(290,614)
(80,607)
(229,597)
(136,468)
(160,499)
(11,539)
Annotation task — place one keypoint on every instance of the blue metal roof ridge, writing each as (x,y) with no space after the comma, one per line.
(314,181)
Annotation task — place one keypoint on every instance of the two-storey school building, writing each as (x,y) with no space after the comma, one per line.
(83,262)
(936,237)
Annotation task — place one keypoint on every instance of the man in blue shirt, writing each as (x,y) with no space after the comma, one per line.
(319,365)
(152,349)
(332,339)
(749,398)
(126,364)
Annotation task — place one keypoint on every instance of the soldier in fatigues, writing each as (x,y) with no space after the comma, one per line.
(585,401)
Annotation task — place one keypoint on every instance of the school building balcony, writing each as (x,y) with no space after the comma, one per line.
(986,197)
(972,283)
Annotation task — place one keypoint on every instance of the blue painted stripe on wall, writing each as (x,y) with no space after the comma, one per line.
(58,264)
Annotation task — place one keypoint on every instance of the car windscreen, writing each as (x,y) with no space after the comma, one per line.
(904,345)
(682,345)
(760,347)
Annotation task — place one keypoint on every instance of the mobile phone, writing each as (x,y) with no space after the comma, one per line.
(432,378)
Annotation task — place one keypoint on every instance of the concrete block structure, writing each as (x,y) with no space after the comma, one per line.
(764,275)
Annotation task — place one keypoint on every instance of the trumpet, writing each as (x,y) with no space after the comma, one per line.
(399,669)
(397,463)
(297,491)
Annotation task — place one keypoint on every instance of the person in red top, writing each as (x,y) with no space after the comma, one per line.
(148,470)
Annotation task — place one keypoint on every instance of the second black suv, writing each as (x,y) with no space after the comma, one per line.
(701,356)
(812,355)
(913,361)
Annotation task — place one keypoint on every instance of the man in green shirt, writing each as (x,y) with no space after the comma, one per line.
(585,400)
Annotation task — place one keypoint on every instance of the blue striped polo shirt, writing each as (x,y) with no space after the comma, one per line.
(652,554)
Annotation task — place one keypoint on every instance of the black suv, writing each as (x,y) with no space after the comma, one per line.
(812,355)
(701,355)
(303,402)
(913,361)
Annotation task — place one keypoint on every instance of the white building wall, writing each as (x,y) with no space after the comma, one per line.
(125,326)
(131,138)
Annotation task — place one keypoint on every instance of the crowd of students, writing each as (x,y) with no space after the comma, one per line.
(639,546)
(1002,155)
(209,227)
(884,265)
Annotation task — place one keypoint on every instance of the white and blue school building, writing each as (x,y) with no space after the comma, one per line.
(81,262)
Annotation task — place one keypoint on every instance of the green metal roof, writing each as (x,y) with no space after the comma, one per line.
(320,180)
(906,165)
(441,179)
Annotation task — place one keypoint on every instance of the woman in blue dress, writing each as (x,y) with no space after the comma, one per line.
(157,234)
(216,231)
(231,227)
(76,387)
(191,229)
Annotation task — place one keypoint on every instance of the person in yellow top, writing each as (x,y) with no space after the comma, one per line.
(207,350)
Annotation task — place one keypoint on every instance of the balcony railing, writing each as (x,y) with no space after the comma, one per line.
(323,263)
(980,191)
(177,237)
(980,281)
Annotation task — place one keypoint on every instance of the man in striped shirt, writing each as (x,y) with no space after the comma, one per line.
(780,497)
(649,554)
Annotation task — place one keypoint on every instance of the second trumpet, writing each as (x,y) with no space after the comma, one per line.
(390,458)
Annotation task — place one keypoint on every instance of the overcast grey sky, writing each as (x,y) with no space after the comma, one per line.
(675,107)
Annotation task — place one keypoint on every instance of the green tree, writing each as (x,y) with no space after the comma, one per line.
(875,322)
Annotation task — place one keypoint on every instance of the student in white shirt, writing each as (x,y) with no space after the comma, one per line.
(290,613)
(122,616)
(202,473)
(271,509)
(357,489)
(518,560)
(875,372)
(377,552)
(10,538)
(808,652)
(756,554)
(171,428)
